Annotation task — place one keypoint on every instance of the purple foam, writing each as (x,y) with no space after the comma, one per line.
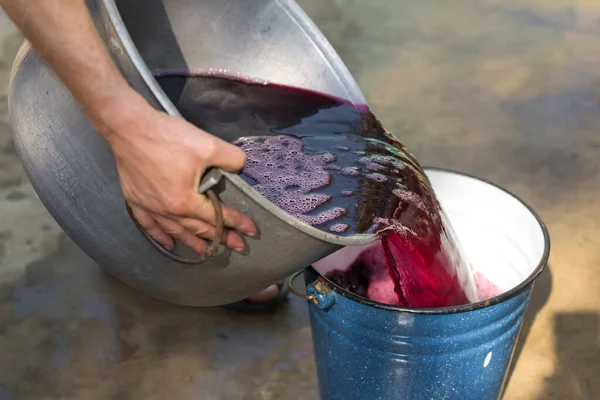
(351,171)
(287,176)
(339,228)
(323,217)
(377,177)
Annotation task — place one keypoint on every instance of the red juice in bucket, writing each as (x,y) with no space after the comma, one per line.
(332,165)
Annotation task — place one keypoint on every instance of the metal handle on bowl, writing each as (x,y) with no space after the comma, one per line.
(210,180)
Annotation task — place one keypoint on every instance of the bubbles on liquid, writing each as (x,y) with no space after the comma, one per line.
(377,177)
(339,228)
(411,197)
(374,167)
(351,171)
(286,175)
(386,161)
(322,217)
(326,157)
(299,203)
(291,179)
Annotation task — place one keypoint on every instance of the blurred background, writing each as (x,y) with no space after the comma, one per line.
(508,90)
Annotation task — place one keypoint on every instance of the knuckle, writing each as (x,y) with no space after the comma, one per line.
(198,245)
(146,223)
(202,231)
(232,218)
(174,230)
(159,238)
(143,219)
(209,150)
(176,205)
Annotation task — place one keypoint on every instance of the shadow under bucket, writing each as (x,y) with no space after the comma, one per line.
(369,350)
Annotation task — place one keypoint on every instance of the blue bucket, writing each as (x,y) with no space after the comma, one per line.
(369,350)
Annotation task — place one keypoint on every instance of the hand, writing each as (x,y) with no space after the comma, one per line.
(160,160)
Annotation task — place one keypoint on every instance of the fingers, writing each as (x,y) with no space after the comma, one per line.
(201,208)
(151,226)
(269,293)
(183,235)
(202,229)
(232,218)
(228,156)
(187,230)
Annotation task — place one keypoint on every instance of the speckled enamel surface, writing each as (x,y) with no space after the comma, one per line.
(383,354)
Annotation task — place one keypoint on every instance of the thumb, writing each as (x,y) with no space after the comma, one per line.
(228,157)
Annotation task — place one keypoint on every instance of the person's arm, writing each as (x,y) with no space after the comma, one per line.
(62,32)
(160,159)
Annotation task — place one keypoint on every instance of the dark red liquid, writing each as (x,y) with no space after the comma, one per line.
(332,165)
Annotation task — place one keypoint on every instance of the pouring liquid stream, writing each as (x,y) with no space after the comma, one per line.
(332,165)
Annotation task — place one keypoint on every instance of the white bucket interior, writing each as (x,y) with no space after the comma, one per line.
(499,235)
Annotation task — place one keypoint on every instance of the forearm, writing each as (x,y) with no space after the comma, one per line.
(64,35)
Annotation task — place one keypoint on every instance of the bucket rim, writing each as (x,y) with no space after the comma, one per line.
(520,288)
(295,12)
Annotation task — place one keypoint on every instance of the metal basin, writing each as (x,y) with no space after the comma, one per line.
(73,172)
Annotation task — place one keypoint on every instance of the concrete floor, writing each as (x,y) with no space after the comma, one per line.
(508,90)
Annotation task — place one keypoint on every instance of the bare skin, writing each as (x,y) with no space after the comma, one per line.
(143,140)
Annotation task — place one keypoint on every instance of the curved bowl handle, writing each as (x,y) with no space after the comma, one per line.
(211,178)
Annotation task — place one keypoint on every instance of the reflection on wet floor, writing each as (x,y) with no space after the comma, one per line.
(505,89)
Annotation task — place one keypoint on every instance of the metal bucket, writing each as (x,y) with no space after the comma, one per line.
(73,171)
(367,350)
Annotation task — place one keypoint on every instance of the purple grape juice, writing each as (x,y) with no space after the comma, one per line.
(332,165)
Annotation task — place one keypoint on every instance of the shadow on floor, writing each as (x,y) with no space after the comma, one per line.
(70,331)
(539,298)
(577,347)
(576,343)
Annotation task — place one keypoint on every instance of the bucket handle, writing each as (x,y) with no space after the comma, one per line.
(211,179)
(307,297)
(318,292)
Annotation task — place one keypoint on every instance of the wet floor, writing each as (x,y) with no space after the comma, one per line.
(507,90)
